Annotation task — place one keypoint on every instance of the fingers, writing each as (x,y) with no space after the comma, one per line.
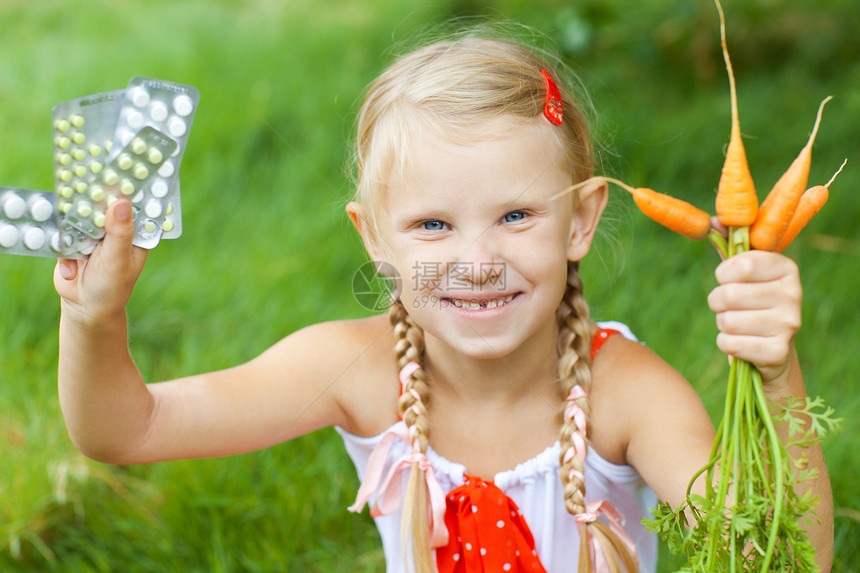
(758,309)
(117,252)
(65,275)
(67,269)
(119,231)
(755,266)
(99,287)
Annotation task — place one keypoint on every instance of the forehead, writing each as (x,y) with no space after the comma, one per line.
(510,161)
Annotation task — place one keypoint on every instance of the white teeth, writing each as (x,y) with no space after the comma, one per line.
(481,304)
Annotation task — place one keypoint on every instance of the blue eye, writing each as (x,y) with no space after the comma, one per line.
(514,216)
(433,225)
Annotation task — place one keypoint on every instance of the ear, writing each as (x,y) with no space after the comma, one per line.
(356,214)
(591,200)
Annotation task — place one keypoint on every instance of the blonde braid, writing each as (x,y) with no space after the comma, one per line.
(409,347)
(574,369)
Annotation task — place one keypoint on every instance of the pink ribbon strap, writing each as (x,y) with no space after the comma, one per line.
(389,496)
(406,372)
(593,509)
(572,411)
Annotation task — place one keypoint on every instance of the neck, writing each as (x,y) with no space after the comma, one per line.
(529,369)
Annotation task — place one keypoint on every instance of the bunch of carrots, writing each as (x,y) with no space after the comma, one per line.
(750,516)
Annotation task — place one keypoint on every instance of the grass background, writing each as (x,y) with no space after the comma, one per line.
(267,248)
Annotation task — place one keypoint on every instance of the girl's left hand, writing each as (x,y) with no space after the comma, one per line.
(758,309)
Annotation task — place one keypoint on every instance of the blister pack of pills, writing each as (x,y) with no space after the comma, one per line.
(123,143)
(131,174)
(28,225)
(83,138)
(168,107)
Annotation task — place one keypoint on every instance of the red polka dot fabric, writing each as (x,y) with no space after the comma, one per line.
(601,336)
(486,532)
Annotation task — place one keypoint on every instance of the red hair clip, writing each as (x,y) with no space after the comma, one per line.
(552,108)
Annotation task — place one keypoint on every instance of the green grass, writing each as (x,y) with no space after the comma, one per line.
(267,248)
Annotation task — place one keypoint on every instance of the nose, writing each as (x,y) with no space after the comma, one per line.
(478,261)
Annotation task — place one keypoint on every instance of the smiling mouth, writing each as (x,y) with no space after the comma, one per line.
(481,304)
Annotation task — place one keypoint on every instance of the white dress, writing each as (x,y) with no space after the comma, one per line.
(535,487)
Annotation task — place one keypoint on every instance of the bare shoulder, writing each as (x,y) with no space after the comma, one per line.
(351,360)
(645,414)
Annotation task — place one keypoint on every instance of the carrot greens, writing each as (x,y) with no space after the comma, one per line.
(756,499)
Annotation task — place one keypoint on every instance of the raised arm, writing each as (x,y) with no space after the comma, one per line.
(315,377)
(105,403)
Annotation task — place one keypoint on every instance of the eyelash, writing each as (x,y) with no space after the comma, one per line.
(522,213)
(425,223)
(504,219)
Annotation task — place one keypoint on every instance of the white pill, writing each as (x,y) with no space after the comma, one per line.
(14,206)
(139,96)
(134,119)
(176,127)
(56,238)
(167,169)
(34,238)
(159,188)
(125,138)
(158,111)
(153,208)
(41,210)
(137,198)
(183,105)
(8,235)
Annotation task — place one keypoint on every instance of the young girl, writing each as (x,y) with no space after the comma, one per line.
(494,425)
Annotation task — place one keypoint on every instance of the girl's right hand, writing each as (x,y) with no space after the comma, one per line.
(95,291)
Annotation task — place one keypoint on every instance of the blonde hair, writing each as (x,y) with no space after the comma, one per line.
(454,87)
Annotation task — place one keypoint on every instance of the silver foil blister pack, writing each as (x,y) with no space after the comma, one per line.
(123,143)
(168,107)
(28,225)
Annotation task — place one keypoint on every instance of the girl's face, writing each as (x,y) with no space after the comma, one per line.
(481,248)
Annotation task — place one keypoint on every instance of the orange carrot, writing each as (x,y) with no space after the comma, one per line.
(812,200)
(775,212)
(737,203)
(669,211)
